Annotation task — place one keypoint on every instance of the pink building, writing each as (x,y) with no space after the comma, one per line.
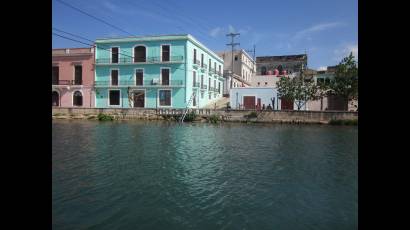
(73,77)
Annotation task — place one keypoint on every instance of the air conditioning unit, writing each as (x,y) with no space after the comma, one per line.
(155,81)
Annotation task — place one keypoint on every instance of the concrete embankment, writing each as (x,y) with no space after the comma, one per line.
(322,117)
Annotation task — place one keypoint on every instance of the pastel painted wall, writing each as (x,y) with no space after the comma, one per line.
(265,94)
(66,62)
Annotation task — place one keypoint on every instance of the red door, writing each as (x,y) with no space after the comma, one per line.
(286,104)
(249,102)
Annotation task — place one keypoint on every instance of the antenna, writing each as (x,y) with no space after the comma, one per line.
(232,44)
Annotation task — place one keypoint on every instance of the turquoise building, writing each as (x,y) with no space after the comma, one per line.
(170,71)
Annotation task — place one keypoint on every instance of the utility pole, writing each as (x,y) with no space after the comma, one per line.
(232,44)
(253,52)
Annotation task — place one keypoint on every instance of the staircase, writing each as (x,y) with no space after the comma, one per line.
(187,107)
(220,103)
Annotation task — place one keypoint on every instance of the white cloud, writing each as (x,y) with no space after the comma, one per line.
(339,54)
(316,28)
(215,32)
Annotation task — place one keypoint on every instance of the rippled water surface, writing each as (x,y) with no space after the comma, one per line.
(138,175)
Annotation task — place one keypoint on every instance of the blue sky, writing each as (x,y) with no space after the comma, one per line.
(326,29)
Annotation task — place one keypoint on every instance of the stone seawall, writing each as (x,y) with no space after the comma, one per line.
(229,116)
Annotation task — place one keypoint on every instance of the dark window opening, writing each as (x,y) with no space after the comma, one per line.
(194,101)
(263,70)
(139,54)
(114,77)
(78,75)
(194,55)
(219,87)
(165,52)
(77,98)
(209,83)
(236,57)
(202,60)
(165,76)
(114,97)
(55,78)
(139,76)
(114,55)
(194,78)
(210,64)
(55,99)
(202,80)
(165,97)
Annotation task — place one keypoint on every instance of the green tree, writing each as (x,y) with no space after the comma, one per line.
(297,89)
(345,82)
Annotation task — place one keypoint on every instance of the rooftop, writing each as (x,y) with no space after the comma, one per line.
(72,51)
(296,57)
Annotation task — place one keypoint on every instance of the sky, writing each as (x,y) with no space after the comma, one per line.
(326,30)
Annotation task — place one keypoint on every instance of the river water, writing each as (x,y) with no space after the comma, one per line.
(158,175)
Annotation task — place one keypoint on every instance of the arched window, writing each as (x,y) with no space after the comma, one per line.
(139,54)
(77,98)
(55,99)
(263,70)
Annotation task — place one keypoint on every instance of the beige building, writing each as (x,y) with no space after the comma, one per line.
(244,68)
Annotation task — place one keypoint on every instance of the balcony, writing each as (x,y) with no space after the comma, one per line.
(196,84)
(67,82)
(197,63)
(211,89)
(203,68)
(203,87)
(129,60)
(146,84)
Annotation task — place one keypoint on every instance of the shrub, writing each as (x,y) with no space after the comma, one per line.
(214,119)
(104,117)
(252,115)
(190,117)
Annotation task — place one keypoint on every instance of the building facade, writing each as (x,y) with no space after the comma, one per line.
(73,77)
(254,98)
(281,65)
(244,69)
(169,71)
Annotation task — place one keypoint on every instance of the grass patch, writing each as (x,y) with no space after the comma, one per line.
(343,122)
(104,117)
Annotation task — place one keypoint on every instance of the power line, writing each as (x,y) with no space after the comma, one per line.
(101,20)
(102,47)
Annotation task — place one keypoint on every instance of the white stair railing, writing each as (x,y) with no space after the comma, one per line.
(187,107)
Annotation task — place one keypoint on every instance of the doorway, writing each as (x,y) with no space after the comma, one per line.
(55,99)
(139,99)
(249,102)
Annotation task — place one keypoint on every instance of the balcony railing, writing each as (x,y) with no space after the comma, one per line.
(196,84)
(146,83)
(197,62)
(204,66)
(203,87)
(67,82)
(129,60)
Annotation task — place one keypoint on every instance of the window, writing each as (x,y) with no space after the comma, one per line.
(139,76)
(194,78)
(214,84)
(215,66)
(236,57)
(55,98)
(165,76)
(165,52)
(195,56)
(266,83)
(219,69)
(77,98)
(114,97)
(194,101)
(243,73)
(210,96)
(209,83)
(165,97)
(210,64)
(139,54)
(202,60)
(219,87)
(114,55)
(55,78)
(78,75)
(259,83)
(114,77)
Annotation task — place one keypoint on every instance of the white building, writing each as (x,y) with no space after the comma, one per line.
(244,68)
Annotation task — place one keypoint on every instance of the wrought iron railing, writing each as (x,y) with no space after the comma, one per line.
(196,84)
(149,83)
(130,60)
(197,62)
(203,87)
(67,82)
